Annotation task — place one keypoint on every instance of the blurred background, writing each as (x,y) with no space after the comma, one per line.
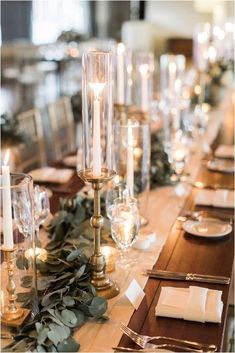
(43,42)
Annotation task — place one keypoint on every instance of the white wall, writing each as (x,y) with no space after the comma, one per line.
(174,18)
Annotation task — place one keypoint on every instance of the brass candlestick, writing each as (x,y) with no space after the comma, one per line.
(104,286)
(13,315)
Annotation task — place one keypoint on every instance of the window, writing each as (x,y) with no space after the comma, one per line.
(51,17)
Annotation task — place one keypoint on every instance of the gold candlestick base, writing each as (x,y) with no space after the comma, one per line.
(12,315)
(104,286)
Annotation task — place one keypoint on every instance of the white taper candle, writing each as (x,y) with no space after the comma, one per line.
(130,162)
(7,212)
(96,140)
(120,74)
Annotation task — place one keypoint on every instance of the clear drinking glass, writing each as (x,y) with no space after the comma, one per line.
(41,212)
(17,218)
(125,222)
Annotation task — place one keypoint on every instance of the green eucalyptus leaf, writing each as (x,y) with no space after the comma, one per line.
(68,317)
(58,333)
(26,281)
(74,255)
(80,317)
(40,348)
(42,336)
(21,261)
(68,345)
(80,272)
(69,301)
(98,306)
(22,297)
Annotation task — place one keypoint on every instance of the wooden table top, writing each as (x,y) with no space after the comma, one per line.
(183,253)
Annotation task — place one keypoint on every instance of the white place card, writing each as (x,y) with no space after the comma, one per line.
(134,294)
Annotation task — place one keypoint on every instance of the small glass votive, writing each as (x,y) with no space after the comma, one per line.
(110,255)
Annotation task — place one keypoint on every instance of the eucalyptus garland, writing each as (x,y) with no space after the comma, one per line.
(66,297)
(160,168)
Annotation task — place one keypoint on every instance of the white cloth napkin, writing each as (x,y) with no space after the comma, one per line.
(51,175)
(193,304)
(225,151)
(70,161)
(216,198)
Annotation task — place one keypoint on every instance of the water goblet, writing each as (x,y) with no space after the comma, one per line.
(125,223)
(41,212)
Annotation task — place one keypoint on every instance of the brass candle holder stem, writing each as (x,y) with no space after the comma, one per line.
(13,315)
(104,286)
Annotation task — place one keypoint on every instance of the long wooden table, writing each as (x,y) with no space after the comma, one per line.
(185,253)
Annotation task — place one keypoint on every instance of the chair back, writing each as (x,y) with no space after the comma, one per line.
(63,127)
(34,155)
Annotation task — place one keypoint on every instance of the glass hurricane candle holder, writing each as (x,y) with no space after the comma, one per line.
(144,68)
(97,150)
(18,272)
(132,160)
(201,42)
(172,68)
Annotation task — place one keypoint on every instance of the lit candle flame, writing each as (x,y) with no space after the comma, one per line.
(144,69)
(97,88)
(120,48)
(172,68)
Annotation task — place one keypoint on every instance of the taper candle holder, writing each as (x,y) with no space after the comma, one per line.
(104,286)
(12,315)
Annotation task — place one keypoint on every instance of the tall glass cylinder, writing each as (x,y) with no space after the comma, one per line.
(144,68)
(17,233)
(132,159)
(172,68)
(97,104)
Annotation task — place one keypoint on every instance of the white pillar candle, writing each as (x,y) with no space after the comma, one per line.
(7,212)
(144,68)
(130,162)
(120,74)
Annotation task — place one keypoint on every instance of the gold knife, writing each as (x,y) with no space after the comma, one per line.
(180,276)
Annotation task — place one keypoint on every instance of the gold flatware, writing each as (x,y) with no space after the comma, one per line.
(180,276)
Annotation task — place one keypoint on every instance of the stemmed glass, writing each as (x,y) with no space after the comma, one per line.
(125,223)
(116,189)
(41,212)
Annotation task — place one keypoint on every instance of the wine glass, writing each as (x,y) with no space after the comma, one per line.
(125,223)
(116,189)
(41,212)
(22,207)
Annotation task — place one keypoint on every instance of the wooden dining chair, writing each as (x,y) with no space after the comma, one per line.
(63,127)
(34,154)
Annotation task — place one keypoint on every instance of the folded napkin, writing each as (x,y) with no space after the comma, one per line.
(70,161)
(193,304)
(216,198)
(51,175)
(225,151)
